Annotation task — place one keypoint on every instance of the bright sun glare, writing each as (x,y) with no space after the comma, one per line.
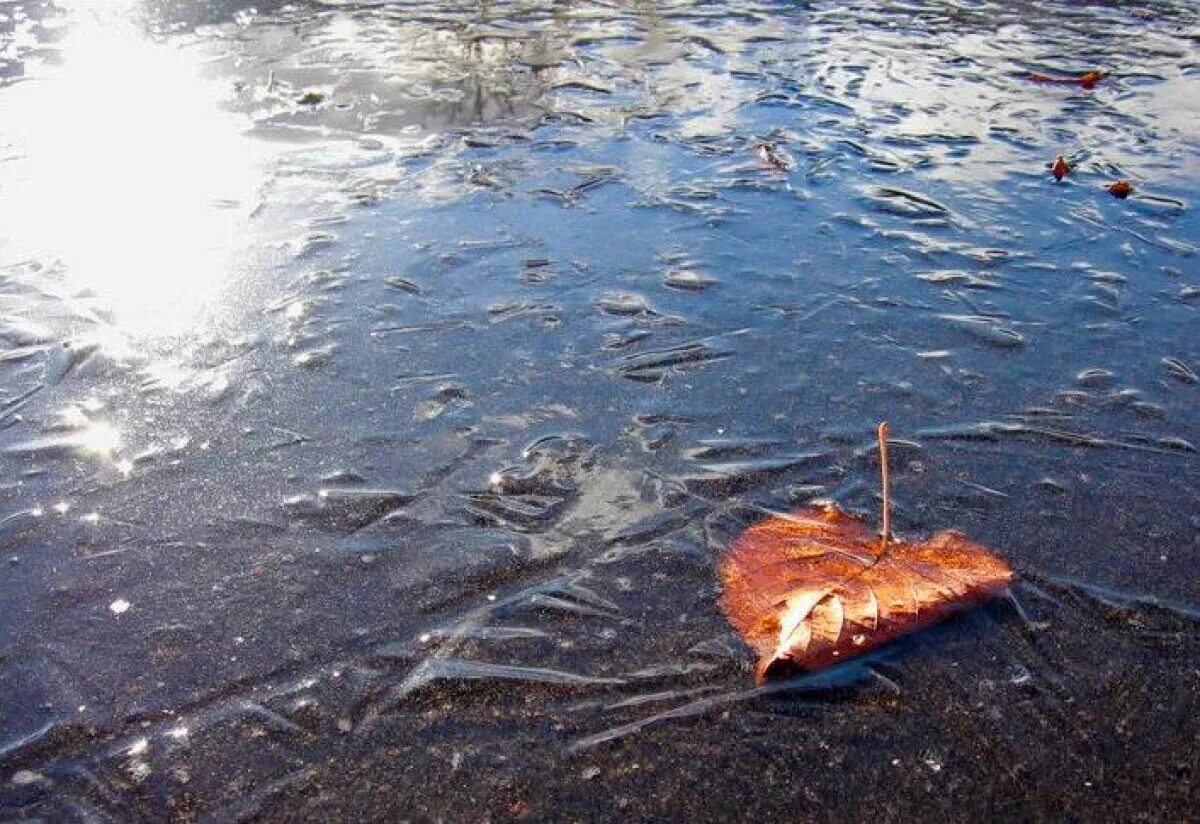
(127,170)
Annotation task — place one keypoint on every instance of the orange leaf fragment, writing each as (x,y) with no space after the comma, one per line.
(1121,189)
(817,587)
(1088,80)
(1060,169)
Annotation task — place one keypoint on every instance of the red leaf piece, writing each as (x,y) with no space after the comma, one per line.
(1061,168)
(818,587)
(1087,80)
(1121,189)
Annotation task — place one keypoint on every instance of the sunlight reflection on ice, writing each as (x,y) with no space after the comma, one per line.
(90,439)
(100,439)
(126,172)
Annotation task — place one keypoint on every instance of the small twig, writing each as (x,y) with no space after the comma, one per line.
(885,532)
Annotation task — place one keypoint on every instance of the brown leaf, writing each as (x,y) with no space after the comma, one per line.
(772,157)
(817,587)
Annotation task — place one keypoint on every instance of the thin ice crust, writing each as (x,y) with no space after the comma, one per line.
(816,587)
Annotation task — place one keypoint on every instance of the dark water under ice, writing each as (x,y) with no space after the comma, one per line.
(379,383)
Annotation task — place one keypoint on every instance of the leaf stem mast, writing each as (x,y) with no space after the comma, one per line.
(885,531)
